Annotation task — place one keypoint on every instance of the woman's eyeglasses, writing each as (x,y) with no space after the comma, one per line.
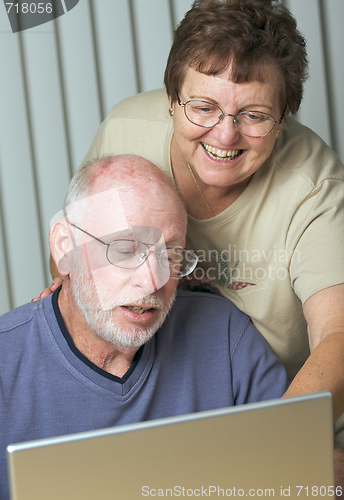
(249,123)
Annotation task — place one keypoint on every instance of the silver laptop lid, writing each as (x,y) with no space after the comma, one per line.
(276,448)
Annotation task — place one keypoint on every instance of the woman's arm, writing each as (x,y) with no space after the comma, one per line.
(324,369)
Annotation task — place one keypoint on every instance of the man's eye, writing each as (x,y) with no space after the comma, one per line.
(123,249)
(125,252)
(121,254)
(173,254)
(165,259)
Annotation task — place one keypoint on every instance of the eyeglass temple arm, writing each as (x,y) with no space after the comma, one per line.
(179,101)
(88,234)
(280,121)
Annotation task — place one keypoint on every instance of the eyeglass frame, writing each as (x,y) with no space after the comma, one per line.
(158,253)
(222,115)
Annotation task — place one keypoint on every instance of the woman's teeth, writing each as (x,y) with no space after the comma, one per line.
(220,154)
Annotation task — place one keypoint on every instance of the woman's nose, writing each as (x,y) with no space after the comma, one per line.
(225,131)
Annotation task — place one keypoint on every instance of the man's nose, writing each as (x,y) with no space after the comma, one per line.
(148,276)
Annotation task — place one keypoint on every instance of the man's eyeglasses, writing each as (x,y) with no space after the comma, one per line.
(249,123)
(129,254)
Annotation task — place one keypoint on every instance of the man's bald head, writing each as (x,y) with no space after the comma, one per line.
(132,175)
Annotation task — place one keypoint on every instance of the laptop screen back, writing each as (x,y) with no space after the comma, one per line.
(276,448)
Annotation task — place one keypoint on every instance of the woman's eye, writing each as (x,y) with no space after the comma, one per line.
(253,116)
(205,110)
(202,107)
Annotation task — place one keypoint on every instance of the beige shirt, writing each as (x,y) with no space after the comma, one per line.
(281,241)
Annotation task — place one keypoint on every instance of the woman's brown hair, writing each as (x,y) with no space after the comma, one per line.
(248,34)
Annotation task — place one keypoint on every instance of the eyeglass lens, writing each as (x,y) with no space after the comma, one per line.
(129,254)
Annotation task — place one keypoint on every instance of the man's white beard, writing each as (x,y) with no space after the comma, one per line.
(102,321)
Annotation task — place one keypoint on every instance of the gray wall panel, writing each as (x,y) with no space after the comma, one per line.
(45,109)
(154,37)
(180,7)
(333,17)
(314,111)
(5,295)
(20,214)
(79,79)
(115,49)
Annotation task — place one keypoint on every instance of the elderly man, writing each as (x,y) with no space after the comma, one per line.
(108,347)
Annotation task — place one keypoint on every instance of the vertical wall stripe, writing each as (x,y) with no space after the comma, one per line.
(327,75)
(172,12)
(38,208)
(333,21)
(7,302)
(63,98)
(135,46)
(102,111)
(153,32)
(180,7)
(116,53)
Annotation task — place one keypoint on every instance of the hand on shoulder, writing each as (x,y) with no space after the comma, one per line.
(48,291)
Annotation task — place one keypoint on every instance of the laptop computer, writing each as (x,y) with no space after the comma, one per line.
(275,448)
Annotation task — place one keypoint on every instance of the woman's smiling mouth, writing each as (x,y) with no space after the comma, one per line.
(221,154)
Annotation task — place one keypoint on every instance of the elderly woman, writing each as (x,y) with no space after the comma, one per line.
(264,194)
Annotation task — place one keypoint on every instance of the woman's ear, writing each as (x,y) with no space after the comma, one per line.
(61,246)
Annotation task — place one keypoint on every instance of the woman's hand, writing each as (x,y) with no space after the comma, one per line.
(48,291)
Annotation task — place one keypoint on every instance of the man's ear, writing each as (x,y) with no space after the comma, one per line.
(61,246)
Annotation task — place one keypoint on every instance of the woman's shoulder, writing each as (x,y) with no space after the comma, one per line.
(152,105)
(139,125)
(302,151)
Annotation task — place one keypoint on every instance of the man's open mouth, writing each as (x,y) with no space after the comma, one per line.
(221,154)
(139,310)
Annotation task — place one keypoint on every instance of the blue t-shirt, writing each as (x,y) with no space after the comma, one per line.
(206,355)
